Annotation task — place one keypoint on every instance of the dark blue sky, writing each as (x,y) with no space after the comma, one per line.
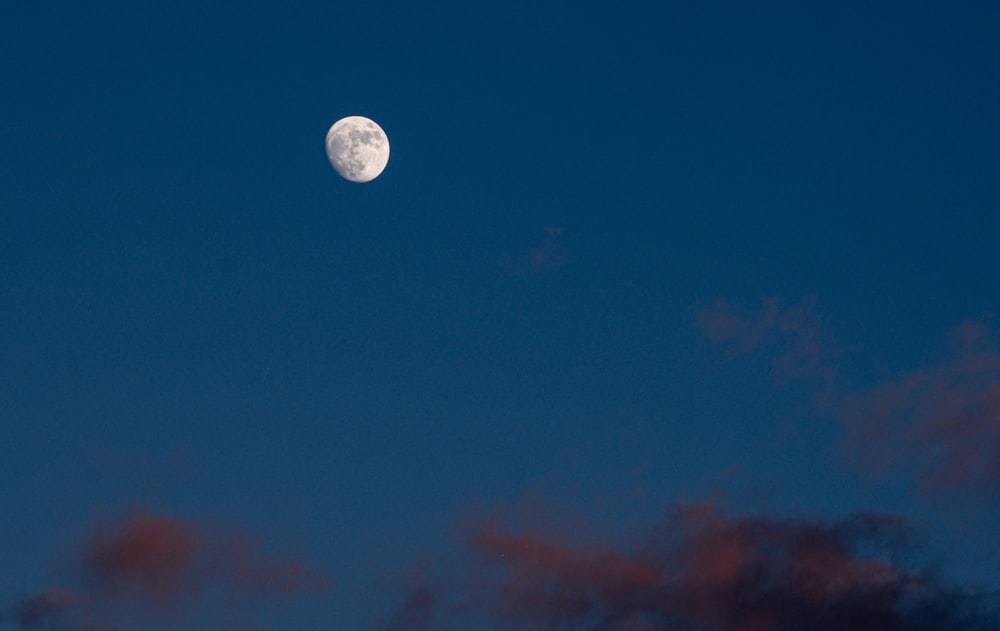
(623,255)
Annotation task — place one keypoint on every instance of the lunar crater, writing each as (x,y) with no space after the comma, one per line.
(357,148)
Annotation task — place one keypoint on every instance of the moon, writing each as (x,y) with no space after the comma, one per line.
(358,148)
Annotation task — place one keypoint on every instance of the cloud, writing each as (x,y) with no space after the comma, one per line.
(47,607)
(943,421)
(704,570)
(551,253)
(153,557)
(941,424)
(163,564)
(245,568)
(792,334)
(417,610)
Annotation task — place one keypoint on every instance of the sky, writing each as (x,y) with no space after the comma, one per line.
(663,315)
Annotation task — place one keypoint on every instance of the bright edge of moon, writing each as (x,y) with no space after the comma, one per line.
(357,148)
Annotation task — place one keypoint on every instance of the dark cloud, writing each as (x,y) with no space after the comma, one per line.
(47,607)
(942,421)
(422,604)
(163,564)
(417,611)
(704,570)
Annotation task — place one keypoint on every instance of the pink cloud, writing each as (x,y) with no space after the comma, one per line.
(163,564)
(150,556)
(792,335)
(584,576)
(942,421)
(702,569)
(245,567)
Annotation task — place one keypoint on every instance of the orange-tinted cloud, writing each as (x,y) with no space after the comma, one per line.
(703,569)
(943,422)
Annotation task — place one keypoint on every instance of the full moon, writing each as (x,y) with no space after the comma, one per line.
(358,148)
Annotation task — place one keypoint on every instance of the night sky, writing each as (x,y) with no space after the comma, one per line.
(663,315)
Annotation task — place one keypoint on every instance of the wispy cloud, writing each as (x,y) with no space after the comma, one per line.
(161,564)
(939,423)
(549,254)
(703,569)
(942,421)
(792,335)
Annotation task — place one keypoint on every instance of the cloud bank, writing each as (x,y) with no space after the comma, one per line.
(701,570)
